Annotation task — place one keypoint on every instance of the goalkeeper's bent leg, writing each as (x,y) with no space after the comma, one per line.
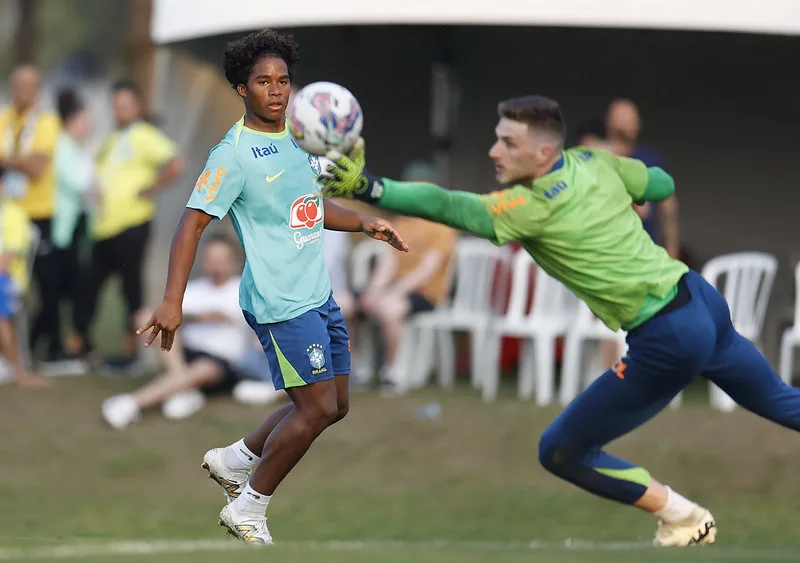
(617,402)
(665,353)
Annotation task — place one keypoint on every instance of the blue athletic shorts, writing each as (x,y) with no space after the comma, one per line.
(312,347)
(6,297)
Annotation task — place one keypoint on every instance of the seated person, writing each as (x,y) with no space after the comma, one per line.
(257,387)
(407,283)
(211,342)
(14,245)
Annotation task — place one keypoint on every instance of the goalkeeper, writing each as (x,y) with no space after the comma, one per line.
(571,210)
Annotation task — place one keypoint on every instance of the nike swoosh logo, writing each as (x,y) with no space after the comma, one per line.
(275,177)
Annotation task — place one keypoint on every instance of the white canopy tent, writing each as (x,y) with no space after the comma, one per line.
(698,88)
(178,20)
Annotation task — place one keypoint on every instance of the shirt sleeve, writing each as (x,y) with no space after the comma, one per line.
(660,185)
(633,174)
(515,215)
(156,148)
(220,184)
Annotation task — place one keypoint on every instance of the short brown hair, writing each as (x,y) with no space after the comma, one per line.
(538,112)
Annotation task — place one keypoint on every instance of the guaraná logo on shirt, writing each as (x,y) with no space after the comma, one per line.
(305,212)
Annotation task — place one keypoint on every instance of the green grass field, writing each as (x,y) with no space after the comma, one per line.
(466,487)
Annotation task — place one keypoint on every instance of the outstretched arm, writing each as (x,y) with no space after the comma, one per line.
(168,316)
(460,210)
(338,218)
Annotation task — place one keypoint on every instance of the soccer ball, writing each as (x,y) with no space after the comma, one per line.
(325,116)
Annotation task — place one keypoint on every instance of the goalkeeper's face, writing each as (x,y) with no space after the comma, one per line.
(267,91)
(516,153)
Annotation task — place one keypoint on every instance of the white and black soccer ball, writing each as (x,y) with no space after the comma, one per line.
(325,116)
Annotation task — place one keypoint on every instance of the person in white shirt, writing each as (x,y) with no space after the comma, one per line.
(336,247)
(213,340)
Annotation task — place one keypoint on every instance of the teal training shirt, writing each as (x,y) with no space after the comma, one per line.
(267,185)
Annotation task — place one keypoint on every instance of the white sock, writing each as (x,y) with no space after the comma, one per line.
(252,502)
(677,508)
(239,458)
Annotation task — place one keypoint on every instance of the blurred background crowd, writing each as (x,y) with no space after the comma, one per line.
(104,125)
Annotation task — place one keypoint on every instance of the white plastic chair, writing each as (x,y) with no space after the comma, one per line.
(791,336)
(362,256)
(748,284)
(472,307)
(586,328)
(21,315)
(552,311)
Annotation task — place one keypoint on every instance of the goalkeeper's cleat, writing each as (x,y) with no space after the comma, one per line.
(245,527)
(700,528)
(232,482)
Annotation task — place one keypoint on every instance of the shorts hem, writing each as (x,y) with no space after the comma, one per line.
(306,382)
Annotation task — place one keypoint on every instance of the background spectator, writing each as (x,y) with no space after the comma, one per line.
(74,172)
(404,284)
(660,220)
(28,136)
(14,245)
(337,251)
(135,162)
(212,342)
(592,134)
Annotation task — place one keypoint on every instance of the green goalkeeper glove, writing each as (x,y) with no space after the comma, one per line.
(348,178)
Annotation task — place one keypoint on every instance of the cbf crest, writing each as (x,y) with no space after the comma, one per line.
(316,357)
(316,167)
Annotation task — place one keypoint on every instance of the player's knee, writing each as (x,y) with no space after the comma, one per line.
(553,454)
(326,413)
(343,407)
(390,312)
(317,404)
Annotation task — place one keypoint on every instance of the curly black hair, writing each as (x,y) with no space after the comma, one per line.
(241,55)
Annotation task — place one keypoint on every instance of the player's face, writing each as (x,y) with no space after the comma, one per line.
(267,91)
(218,262)
(126,106)
(514,153)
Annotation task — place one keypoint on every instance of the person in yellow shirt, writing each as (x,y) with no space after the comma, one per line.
(28,138)
(134,163)
(15,230)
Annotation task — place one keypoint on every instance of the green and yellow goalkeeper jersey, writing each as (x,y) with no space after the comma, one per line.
(578,224)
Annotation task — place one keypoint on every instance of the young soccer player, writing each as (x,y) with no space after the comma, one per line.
(571,210)
(266,184)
